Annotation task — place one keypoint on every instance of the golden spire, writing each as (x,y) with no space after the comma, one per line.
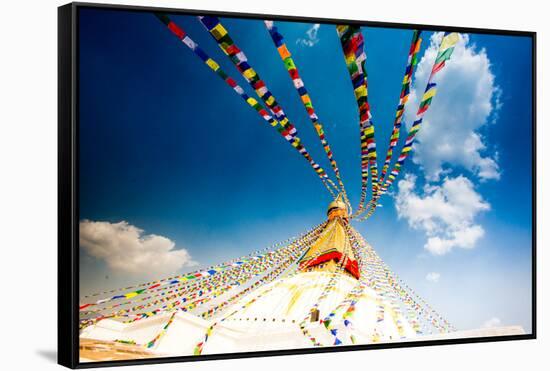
(337,208)
(332,250)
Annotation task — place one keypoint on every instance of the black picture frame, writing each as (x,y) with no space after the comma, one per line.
(68,187)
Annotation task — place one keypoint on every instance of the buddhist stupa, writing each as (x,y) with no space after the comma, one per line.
(325,288)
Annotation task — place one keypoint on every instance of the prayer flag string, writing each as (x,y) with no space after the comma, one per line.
(305,98)
(403,98)
(237,56)
(283,127)
(352,42)
(444,53)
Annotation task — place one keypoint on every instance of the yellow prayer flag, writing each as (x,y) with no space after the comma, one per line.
(449,41)
(429,94)
(210,62)
(249,73)
(361,91)
(270,100)
(369,130)
(341,28)
(219,31)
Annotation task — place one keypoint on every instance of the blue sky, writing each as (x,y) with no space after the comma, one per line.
(168,148)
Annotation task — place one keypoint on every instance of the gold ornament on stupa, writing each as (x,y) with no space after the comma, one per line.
(332,251)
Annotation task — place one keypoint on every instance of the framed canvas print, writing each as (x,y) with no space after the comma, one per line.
(238,185)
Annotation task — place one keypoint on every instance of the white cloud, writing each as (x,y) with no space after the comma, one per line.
(465,238)
(467,100)
(433,277)
(311,36)
(492,322)
(445,213)
(125,249)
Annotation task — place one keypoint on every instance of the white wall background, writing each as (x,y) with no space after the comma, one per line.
(28,181)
